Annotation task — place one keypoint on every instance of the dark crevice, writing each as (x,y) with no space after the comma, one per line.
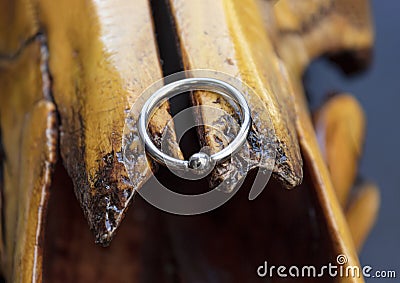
(167,39)
(44,68)
(171,61)
(27,42)
(47,82)
(47,79)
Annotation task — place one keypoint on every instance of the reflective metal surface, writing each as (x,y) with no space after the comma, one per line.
(196,162)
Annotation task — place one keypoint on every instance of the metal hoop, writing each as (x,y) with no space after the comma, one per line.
(198,161)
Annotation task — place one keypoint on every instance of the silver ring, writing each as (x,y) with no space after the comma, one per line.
(199,161)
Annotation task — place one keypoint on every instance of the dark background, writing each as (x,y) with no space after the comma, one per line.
(378,91)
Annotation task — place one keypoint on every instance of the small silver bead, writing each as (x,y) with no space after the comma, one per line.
(199,161)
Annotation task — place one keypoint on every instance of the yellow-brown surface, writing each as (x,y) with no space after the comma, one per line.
(70,72)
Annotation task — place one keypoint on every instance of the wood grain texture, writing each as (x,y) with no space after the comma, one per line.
(247,25)
(221,36)
(96,74)
(29,128)
(99,70)
(96,57)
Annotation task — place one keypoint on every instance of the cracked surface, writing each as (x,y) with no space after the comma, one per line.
(89,74)
(95,80)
